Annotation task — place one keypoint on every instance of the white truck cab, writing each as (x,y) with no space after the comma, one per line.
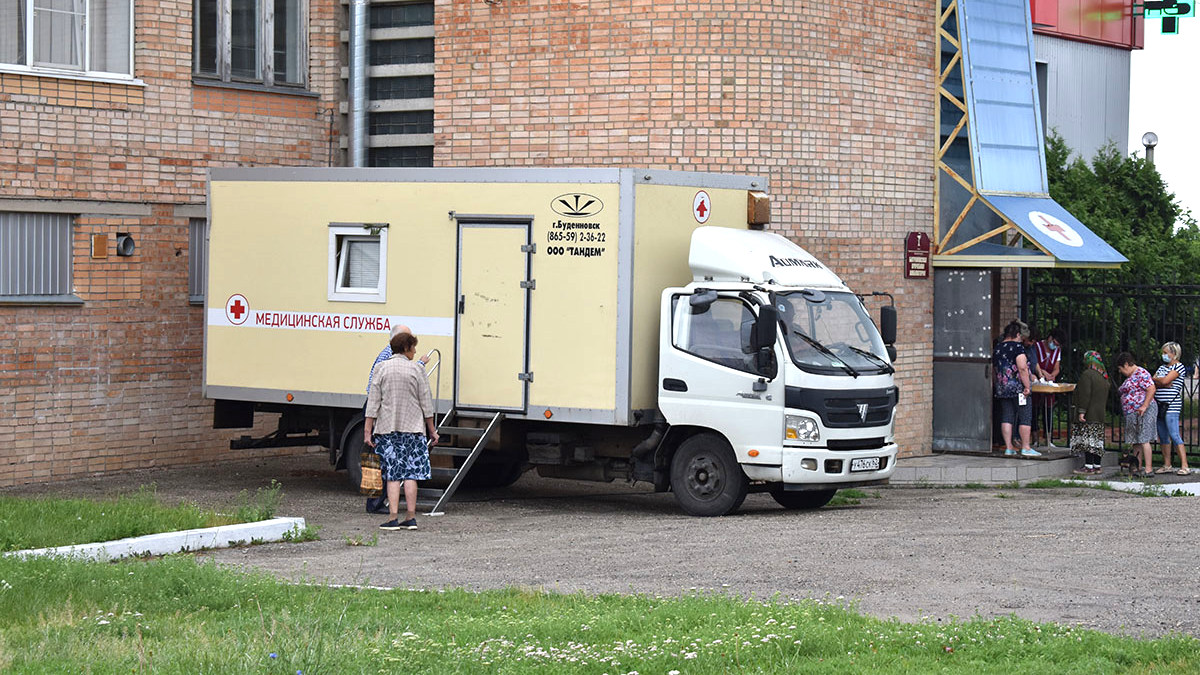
(769,360)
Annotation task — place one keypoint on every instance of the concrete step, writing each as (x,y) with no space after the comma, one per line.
(984,469)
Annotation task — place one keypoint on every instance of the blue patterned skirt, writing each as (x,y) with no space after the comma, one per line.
(402,456)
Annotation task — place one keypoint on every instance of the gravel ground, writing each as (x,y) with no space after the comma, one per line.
(1104,560)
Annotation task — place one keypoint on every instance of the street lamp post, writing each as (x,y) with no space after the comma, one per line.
(1149,140)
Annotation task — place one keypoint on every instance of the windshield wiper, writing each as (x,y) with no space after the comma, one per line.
(873,357)
(827,352)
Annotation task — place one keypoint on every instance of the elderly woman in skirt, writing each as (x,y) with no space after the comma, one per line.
(1091,393)
(399,426)
(1141,412)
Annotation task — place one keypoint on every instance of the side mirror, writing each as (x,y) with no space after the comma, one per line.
(887,324)
(702,299)
(763,334)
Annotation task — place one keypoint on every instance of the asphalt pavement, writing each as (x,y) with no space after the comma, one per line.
(1081,556)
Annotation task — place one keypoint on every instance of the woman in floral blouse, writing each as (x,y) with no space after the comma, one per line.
(1141,412)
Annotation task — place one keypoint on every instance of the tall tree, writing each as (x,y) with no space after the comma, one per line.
(1125,201)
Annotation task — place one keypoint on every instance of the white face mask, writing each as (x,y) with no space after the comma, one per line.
(1166,358)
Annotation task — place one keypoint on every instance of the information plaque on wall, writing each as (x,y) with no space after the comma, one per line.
(916,256)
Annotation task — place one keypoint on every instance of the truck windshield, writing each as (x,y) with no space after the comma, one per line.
(831,333)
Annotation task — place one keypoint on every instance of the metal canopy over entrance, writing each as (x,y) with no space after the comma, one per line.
(993,208)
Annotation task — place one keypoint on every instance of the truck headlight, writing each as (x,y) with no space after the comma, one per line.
(801,428)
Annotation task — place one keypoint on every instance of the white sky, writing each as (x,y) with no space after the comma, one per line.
(1165,99)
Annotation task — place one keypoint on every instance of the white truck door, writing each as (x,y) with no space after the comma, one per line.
(708,377)
(491,358)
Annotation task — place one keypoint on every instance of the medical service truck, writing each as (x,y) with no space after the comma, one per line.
(599,324)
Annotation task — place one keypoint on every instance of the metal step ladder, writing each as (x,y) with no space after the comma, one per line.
(457,439)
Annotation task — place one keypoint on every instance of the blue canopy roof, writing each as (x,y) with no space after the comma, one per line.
(1052,228)
(994,181)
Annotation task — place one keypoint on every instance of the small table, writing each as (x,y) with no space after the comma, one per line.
(1055,388)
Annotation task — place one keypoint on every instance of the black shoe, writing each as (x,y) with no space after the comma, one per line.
(393,524)
(377,505)
(410,524)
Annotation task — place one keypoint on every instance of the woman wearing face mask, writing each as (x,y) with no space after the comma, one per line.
(1048,355)
(1168,393)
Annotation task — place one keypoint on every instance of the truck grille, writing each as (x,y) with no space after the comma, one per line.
(839,444)
(844,409)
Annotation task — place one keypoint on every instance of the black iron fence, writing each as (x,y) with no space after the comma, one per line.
(1112,319)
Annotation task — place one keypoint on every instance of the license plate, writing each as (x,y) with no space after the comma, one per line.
(864,464)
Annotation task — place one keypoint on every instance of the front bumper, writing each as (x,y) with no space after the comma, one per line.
(823,466)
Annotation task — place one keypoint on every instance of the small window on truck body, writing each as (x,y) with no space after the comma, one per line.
(716,333)
(357,263)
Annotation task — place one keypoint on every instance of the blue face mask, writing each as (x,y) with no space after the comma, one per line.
(1166,358)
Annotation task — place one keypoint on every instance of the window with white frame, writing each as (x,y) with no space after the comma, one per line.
(197,259)
(358,262)
(35,257)
(254,41)
(90,37)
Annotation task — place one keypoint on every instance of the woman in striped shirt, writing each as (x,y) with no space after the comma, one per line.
(1168,393)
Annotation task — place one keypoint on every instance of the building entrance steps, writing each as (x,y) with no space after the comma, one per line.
(949,469)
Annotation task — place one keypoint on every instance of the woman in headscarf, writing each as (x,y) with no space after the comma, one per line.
(1091,393)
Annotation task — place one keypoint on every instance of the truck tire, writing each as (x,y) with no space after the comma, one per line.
(352,449)
(803,500)
(706,477)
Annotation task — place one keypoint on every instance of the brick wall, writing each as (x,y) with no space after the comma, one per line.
(833,102)
(116,383)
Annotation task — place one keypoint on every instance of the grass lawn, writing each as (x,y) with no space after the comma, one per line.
(41,522)
(176,615)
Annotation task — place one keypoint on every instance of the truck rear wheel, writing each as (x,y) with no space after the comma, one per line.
(352,449)
(806,499)
(706,477)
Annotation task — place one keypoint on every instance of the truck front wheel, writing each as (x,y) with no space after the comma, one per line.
(706,477)
(807,499)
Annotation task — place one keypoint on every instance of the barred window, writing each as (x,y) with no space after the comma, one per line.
(402,156)
(35,257)
(197,259)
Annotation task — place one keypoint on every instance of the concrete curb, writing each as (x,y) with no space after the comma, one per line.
(1166,488)
(174,542)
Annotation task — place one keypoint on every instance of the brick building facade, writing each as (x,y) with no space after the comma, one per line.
(833,103)
(103,374)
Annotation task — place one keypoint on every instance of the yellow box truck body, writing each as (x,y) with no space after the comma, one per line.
(539,287)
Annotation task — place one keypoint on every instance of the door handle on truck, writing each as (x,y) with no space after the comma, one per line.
(462,302)
(672,384)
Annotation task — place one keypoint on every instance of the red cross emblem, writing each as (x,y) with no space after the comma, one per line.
(1051,225)
(237,309)
(701,207)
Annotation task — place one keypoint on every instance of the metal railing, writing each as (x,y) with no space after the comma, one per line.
(1112,319)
